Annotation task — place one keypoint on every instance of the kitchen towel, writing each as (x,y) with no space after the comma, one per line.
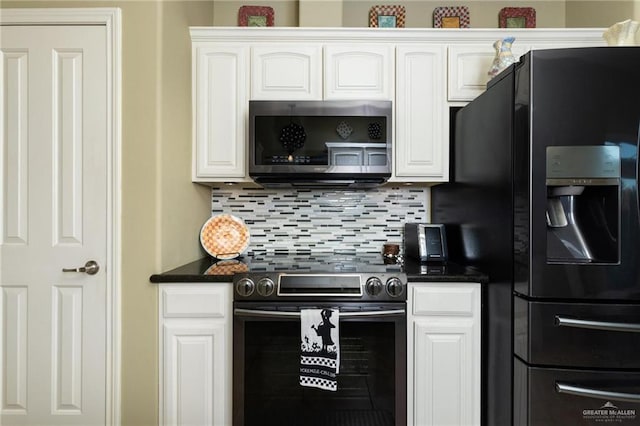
(320,348)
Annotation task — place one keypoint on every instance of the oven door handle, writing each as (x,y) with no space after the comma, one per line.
(282,314)
(596,393)
(597,325)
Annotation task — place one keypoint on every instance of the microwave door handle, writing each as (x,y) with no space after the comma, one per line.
(322,182)
(284,314)
(596,393)
(597,325)
(335,181)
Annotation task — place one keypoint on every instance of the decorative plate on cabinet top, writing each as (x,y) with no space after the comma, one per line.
(224,236)
(451,17)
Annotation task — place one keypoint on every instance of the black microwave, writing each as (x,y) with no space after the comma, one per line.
(345,143)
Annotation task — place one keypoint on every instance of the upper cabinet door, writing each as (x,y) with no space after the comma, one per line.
(469,65)
(220,91)
(357,71)
(282,72)
(421,144)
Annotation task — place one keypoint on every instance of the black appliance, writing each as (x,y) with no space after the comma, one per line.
(371,297)
(311,144)
(425,242)
(544,199)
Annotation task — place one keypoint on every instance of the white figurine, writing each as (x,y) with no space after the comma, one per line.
(503,57)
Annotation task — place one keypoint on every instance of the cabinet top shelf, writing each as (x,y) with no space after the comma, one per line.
(440,35)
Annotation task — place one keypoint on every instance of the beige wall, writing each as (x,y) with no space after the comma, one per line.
(225,12)
(320,13)
(599,13)
(419,14)
(483,14)
(162,210)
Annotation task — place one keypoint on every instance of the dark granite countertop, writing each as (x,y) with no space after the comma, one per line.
(446,272)
(211,270)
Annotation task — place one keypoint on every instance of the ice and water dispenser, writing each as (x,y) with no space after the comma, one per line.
(583,204)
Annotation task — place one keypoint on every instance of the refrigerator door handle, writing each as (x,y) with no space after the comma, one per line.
(596,393)
(597,325)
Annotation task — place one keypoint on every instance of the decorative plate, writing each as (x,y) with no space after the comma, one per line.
(292,137)
(227,267)
(255,16)
(224,236)
(451,17)
(374,130)
(387,16)
(344,129)
(517,17)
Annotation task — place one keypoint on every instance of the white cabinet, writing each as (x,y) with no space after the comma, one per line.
(316,71)
(358,71)
(469,65)
(227,74)
(285,71)
(195,336)
(421,128)
(220,94)
(423,71)
(443,337)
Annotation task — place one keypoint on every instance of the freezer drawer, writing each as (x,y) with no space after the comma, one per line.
(561,397)
(582,335)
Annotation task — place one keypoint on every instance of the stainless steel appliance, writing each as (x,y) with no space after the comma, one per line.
(344,144)
(371,298)
(544,198)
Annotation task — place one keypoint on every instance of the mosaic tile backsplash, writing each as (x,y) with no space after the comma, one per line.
(334,221)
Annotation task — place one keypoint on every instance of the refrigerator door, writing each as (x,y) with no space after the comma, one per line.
(577,335)
(568,110)
(575,397)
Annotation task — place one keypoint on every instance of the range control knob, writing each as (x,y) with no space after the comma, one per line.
(394,287)
(245,287)
(373,286)
(265,287)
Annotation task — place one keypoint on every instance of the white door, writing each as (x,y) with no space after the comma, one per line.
(53,175)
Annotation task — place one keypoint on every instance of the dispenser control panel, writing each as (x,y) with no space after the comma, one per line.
(583,165)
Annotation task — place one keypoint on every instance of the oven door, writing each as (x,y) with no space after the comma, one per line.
(266,361)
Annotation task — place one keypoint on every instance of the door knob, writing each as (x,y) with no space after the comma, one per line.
(90,268)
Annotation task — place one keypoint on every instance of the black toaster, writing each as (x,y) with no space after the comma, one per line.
(425,242)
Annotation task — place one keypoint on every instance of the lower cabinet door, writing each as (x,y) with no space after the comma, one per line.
(444,387)
(196,377)
(444,341)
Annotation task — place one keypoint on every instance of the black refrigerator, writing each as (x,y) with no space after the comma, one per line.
(544,198)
